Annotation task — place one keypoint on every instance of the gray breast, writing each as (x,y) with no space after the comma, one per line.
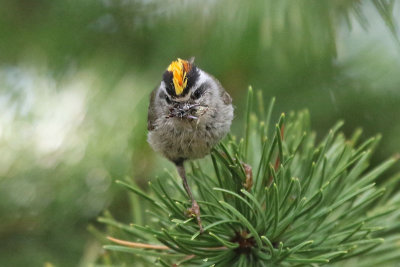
(182,139)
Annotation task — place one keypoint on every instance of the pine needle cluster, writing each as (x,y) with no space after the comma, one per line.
(277,197)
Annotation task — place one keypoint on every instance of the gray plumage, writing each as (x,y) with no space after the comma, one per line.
(186,123)
(181,138)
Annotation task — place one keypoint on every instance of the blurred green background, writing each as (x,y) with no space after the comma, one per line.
(75,78)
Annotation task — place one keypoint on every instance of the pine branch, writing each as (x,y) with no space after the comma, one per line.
(307,203)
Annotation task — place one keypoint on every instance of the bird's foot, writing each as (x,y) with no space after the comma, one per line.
(195,212)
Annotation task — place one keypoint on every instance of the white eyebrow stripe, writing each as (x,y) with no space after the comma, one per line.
(202,79)
(163,88)
(181,99)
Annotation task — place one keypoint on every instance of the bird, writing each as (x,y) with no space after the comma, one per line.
(189,113)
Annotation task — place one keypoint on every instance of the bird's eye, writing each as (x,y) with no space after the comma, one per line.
(168,99)
(198,93)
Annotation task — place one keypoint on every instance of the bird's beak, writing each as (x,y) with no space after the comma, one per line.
(185,110)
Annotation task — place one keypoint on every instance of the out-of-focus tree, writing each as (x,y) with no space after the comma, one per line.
(75,77)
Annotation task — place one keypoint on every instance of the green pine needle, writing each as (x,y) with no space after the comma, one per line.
(301,203)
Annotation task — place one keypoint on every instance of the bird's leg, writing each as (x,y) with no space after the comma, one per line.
(195,209)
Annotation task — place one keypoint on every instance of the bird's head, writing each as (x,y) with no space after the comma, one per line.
(186,90)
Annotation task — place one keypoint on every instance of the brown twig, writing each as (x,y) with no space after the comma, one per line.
(189,257)
(136,245)
(149,246)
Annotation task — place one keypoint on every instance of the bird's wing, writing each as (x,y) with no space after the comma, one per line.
(226,97)
(151,116)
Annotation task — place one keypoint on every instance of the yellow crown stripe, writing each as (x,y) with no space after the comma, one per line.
(179,69)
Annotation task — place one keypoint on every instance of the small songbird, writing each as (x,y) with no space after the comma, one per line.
(189,113)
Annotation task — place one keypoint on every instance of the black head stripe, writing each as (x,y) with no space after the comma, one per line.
(200,91)
(169,85)
(192,77)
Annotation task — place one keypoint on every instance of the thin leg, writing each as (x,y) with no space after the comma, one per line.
(195,207)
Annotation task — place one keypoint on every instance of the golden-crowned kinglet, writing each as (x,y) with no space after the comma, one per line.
(189,113)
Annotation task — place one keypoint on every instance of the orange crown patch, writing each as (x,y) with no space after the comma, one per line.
(179,69)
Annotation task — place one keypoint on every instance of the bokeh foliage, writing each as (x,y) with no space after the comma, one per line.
(75,76)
